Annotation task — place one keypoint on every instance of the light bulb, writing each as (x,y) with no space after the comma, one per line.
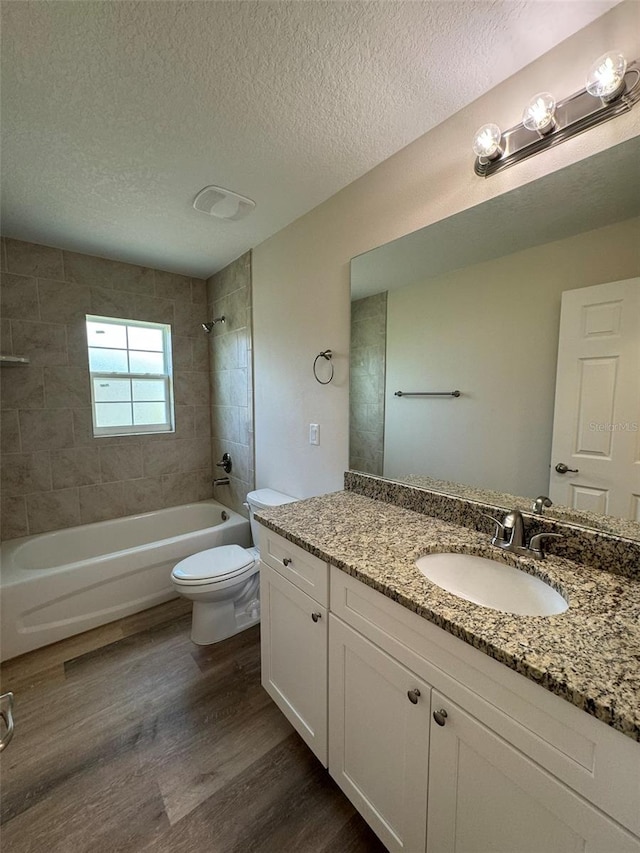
(539,112)
(486,142)
(606,76)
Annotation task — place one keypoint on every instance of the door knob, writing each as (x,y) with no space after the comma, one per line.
(413,695)
(561,468)
(440,716)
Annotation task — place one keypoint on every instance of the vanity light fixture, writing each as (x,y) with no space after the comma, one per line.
(612,88)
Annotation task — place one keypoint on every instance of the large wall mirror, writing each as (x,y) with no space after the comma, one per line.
(473,304)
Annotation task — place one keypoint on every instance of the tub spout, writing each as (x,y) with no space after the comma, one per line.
(220,481)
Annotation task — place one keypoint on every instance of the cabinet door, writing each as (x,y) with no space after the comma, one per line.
(294,657)
(379,738)
(487,797)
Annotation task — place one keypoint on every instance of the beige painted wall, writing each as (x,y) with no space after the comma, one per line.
(301,275)
(490,330)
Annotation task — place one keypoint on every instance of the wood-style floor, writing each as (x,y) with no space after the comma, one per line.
(131,738)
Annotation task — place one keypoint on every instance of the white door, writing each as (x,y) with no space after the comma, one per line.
(487,797)
(596,426)
(379,738)
(294,657)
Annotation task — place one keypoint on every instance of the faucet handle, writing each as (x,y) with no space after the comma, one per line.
(535,543)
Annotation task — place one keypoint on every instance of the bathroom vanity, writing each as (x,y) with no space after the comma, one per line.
(448,725)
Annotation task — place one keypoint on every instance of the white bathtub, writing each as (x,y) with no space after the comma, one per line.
(58,584)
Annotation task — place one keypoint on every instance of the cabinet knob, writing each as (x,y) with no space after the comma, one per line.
(413,695)
(286,561)
(440,717)
(316,616)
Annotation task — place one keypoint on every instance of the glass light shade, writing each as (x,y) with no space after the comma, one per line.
(486,142)
(539,112)
(606,76)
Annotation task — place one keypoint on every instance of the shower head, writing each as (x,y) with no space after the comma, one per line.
(209,326)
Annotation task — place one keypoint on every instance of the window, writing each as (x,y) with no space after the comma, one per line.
(130,372)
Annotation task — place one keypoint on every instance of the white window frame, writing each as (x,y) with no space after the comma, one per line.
(166,377)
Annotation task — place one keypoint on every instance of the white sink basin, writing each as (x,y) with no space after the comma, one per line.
(492,584)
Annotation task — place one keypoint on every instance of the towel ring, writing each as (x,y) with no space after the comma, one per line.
(327,354)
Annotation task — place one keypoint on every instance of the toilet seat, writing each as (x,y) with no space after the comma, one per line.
(214,565)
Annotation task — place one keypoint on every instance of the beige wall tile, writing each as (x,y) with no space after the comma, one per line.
(225,423)
(191,388)
(112,303)
(43,429)
(23,387)
(121,462)
(183,488)
(182,352)
(13,515)
(238,388)
(152,310)
(101,502)
(53,510)
(172,286)
(66,387)
(240,457)
(77,351)
(6,344)
(18,297)
(3,255)
(9,431)
(63,303)
(32,259)
(201,352)
(188,319)
(224,351)
(161,457)
(195,454)
(83,432)
(42,343)
(143,495)
(202,421)
(24,473)
(111,275)
(77,466)
(199,291)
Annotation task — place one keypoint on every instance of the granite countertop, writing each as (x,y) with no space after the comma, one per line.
(588,655)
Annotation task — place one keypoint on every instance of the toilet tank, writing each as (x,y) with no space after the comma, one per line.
(261,499)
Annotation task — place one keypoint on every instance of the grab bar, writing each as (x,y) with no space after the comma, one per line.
(6,715)
(427,394)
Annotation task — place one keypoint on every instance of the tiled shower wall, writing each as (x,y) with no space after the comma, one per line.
(54,472)
(229,296)
(367,362)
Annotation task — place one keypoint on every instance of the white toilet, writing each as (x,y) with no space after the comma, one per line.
(224,582)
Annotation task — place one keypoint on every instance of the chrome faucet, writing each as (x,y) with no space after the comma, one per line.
(510,536)
(540,503)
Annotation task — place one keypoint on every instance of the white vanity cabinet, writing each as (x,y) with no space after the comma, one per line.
(507,768)
(439,747)
(485,795)
(294,628)
(379,737)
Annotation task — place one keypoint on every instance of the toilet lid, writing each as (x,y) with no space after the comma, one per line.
(214,564)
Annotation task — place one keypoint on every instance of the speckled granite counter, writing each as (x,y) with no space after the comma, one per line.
(589,655)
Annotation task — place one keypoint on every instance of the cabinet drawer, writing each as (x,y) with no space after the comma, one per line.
(305,571)
(586,754)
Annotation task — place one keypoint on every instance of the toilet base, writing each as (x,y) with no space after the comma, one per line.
(213,621)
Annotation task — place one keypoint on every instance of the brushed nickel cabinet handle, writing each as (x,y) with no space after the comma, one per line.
(440,716)
(316,616)
(286,561)
(413,695)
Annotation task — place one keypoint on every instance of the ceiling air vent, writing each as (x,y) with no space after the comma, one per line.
(216,201)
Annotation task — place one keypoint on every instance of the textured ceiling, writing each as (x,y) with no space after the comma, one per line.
(115,114)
